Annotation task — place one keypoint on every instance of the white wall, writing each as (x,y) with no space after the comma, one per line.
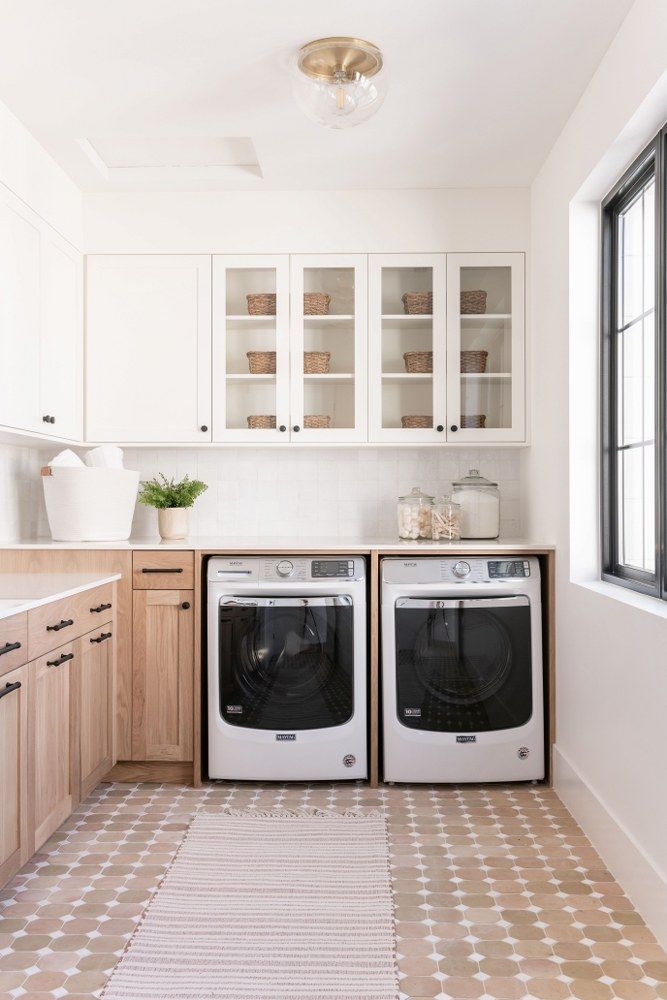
(308,221)
(611,667)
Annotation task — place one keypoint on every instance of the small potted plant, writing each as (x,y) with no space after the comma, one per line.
(172,501)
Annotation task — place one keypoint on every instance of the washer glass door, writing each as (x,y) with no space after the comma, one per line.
(463,666)
(286,663)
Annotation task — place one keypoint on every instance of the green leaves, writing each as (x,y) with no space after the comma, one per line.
(163,493)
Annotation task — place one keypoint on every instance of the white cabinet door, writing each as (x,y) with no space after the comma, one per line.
(61,342)
(19,315)
(148,348)
(329,346)
(407,339)
(486,348)
(251,355)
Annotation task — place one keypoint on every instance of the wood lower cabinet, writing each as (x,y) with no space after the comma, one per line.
(163,673)
(52,725)
(14,831)
(95,695)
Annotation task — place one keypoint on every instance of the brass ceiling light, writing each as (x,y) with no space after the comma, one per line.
(339,82)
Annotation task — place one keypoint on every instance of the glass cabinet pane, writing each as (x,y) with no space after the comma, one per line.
(250,355)
(328,348)
(485,349)
(408,346)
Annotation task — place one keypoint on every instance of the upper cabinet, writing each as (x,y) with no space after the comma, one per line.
(41,325)
(324,348)
(407,357)
(148,373)
(251,350)
(485,347)
(328,345)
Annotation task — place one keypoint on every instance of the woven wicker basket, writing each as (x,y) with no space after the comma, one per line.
(316,362)
(418,361)
(473,302)
(316,303)
(475,420)
(473,362)
(261,303)
(261,422)
(418,302)
(416,421)
(316,420)
(261,362)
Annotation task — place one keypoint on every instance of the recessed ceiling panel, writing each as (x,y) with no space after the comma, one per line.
(117,152)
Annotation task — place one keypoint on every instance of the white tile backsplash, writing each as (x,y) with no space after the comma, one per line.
(311,492)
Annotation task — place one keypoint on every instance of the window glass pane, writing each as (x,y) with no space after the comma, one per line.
(635,382)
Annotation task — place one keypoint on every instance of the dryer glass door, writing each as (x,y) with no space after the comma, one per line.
(286,664)
(463,666)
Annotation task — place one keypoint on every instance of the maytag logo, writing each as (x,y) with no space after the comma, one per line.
(285,737)
(468,738)
(413,713)
(409,563)
(236,562)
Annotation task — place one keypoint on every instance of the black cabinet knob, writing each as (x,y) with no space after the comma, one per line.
(454,427)
(46,419)
(52,420)
(440,428)
(282,428)
(296,428)
(185,605)
(203,428)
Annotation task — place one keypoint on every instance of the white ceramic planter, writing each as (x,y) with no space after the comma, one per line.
(172,523)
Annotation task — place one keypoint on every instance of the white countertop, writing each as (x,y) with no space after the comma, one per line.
(230,543)
(21,592)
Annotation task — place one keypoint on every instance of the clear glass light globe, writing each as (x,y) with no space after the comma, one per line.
(347,100)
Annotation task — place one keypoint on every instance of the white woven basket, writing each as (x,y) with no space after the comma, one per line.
(90,505)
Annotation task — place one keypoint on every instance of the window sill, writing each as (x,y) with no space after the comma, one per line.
(642,602)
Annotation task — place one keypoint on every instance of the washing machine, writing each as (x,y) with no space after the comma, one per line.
(462,676)
(287,668)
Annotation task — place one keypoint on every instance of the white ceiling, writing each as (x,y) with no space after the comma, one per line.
(478,92)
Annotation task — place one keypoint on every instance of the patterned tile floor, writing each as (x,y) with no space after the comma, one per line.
(498,893)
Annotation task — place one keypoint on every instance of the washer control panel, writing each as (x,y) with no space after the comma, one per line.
(461,569)
(328,568)
(503,569)
(285,567)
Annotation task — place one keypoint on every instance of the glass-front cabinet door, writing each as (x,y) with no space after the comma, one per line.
(328,347)
(407,390)
(485,347)
(251,348)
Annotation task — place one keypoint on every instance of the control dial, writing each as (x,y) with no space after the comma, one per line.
(461,568)
(284,567)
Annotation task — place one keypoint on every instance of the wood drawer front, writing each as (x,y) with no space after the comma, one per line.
(94,608)
(163,570)
(13,642)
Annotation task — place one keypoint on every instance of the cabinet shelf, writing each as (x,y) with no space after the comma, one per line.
(485,376)
(243,318)
(251,378)
(332,378)
(407,376)
(483,317)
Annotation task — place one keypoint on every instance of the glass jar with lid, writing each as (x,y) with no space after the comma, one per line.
(414,514)
(446,520)
(480,505)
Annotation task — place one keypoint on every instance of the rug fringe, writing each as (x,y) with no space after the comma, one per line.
(303,812)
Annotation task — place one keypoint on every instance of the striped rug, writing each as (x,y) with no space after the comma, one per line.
(268,906)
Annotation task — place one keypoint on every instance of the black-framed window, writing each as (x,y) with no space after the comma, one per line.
(633,376)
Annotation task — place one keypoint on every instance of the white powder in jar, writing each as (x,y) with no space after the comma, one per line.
(480,513)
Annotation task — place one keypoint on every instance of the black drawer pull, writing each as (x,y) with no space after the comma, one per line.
(171,569)
(9,647)
(63,659)
(102,636)
(63,623)
(8,688)
(102,607)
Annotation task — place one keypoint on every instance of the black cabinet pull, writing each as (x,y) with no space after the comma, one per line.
(101,607)
(440,428)
(46,419)
(282,428)
(8,688)
(63,623)
(168,569)
(185,605)
(63,659)
(296,428)
(454,427)
(52,420)
(101,637)
(203,428)
(9,647)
